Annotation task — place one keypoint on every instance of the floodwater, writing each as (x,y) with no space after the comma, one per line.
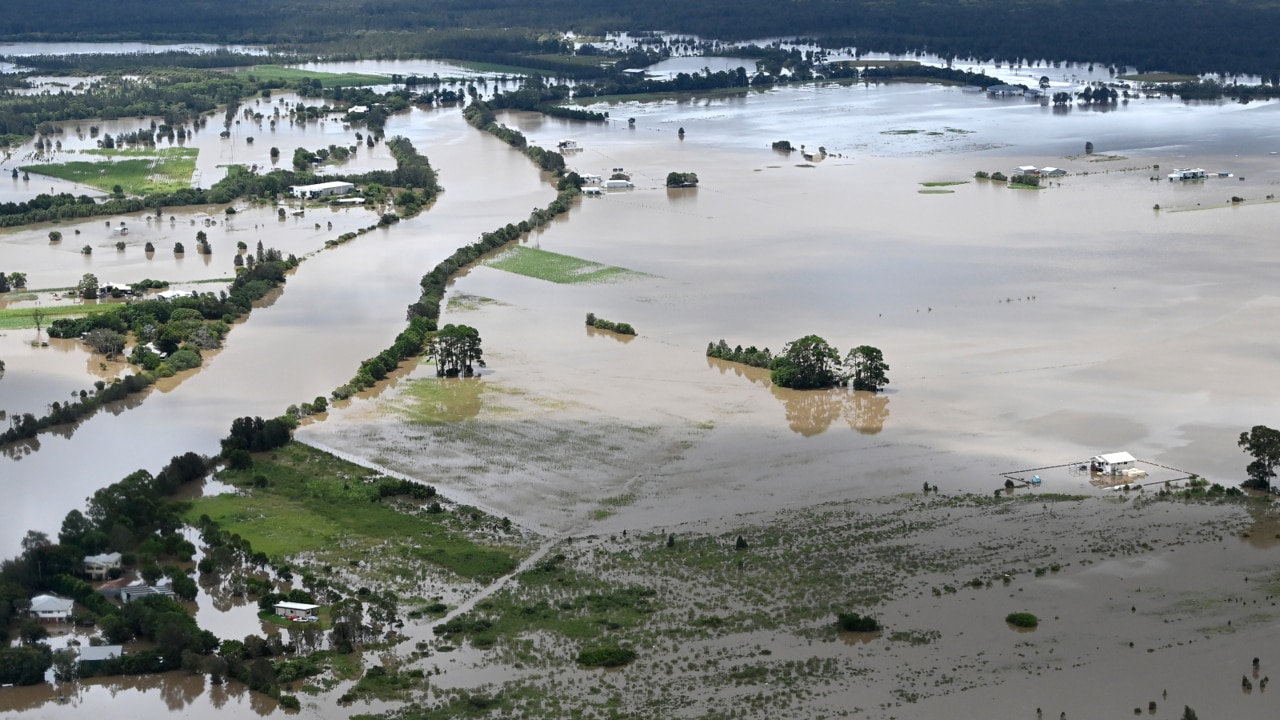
(1023,329)
(347,305)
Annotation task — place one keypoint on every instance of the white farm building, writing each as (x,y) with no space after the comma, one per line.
(1116,463)
(320,190)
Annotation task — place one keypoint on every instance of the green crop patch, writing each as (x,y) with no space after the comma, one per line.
(557,268)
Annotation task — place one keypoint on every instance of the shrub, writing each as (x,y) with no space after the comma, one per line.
(290,702)
(853,622)
(609,655)
(1022,620)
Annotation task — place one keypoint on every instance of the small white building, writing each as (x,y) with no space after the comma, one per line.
(1188,174)
(1026,170)
(51,608)
(98,566)
(320,190)
(1006,90)
(618,184)
(1116,463)
(1052,172)
(590,179)
(296,611)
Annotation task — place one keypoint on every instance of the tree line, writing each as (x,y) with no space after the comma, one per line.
(1238,38)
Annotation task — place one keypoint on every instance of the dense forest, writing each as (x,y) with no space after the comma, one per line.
(1232,36)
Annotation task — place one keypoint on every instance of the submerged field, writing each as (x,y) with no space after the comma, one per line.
(140,172)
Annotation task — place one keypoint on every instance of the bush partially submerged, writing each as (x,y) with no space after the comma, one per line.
(1022,620)
(608,655)
(853,622)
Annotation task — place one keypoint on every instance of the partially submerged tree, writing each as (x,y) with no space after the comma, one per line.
(87,288)
(867,368)
(456,349)
(806,364)
(1263,443)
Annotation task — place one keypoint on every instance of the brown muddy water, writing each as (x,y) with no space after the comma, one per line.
(1023,329)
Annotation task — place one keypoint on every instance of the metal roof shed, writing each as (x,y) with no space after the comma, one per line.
(1113,463)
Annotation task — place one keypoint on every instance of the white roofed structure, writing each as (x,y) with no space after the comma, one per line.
(319,190)
(1115,463)
(51,608)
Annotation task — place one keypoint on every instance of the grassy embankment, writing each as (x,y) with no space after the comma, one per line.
(142,172)
(557,268)
(297,500)
(271,73)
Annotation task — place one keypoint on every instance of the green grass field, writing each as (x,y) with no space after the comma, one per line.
(316,503)
(329,80)
(18,318)
(944,183)
(1157,77)
(557,268)
(142,172)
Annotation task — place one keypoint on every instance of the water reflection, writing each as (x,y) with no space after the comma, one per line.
(624,339)
(811,412)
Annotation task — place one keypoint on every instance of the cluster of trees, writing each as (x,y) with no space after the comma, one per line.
(456,350)
(811,363)
(682,180)
(748,356)
(12,281)
(601,324)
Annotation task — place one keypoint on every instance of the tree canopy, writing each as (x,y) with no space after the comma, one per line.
(456,349)
(807,364)
(1263,443)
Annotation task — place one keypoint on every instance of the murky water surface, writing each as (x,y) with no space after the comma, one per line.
(1023,329)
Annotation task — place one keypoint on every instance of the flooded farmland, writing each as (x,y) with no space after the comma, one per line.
(1023,329)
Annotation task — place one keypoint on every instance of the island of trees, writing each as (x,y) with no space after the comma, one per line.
(810,363)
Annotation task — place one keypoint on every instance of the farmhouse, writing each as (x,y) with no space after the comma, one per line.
(1188,174)
(1052,172)
(51,608)
(320,190)
(1116,463)
(97,567)
(304,612)
(1006,90)
(1026,170)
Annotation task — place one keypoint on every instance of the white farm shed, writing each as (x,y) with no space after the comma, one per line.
(293,610)
(1116,463)
(320,190)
